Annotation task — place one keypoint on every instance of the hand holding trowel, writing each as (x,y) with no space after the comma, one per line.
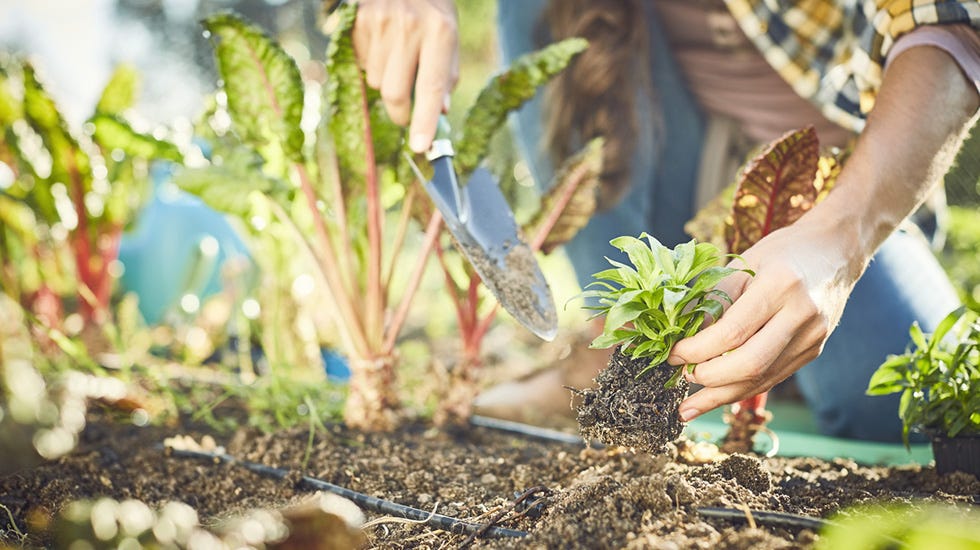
(483,226)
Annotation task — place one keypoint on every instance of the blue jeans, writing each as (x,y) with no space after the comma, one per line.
(904,282)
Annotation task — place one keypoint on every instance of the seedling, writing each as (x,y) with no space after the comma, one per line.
(665,296)
(939,377)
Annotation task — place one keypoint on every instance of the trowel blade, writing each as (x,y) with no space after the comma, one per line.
(481,221)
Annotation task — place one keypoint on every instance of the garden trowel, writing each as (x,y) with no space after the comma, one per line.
(483,225)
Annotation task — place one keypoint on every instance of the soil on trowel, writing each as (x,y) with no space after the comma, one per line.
(631,411)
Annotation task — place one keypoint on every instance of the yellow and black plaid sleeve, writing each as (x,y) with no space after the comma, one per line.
(833,52)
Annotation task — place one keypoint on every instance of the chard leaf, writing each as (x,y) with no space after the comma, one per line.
(347,103)
(69,163)
(112,132)
(226,187)
(776,188)
(505,93)
(570,202)
(10,108)
(263,85)
(120,92)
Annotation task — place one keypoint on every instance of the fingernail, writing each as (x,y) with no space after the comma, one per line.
(418,143)
(689,414)
(445,104)
(675,360)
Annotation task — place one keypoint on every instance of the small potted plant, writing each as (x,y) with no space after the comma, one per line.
(940,384)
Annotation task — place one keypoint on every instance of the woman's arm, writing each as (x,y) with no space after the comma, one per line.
(805,272)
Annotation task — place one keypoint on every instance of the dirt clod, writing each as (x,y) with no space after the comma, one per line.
(629,411)
(748,472)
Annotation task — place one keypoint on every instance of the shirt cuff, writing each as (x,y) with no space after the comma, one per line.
(960,41)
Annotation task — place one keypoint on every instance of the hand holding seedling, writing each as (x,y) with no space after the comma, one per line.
(409,47)
(781,318)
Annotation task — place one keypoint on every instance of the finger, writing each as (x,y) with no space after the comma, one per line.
(433,84)
(379,48)
(396,85)
(752,309)
(750,361)
(710,398)
(361,37)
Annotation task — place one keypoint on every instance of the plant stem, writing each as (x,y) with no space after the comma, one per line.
(374,293)
(346,260)
(574,180)
(346,317)
(432,232)
(400,232)
(452,288)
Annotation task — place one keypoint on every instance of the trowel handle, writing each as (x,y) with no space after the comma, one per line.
(442,146)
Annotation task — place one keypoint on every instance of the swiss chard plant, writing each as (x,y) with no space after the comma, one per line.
(938,377)
(663,297)
(343,186)
(70,193)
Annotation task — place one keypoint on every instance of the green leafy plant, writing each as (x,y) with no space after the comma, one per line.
(71,193)
(916,526)
(344,193)
(665,296)
(939,378)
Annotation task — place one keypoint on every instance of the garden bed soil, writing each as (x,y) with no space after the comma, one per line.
(609,498)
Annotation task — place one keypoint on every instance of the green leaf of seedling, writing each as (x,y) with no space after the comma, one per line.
(684,254)
(945,326)
(674,379)
(112,132)
(505,93)
(639,254)
(263,85)
(918,338)
(624,311)
(120,92)
(885,381)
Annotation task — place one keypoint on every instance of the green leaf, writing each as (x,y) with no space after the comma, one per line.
(112,132)
(945,326)
(347,116)
(886,380)
(69,163)
(263,85)
(624,311)
(918,338)
(570,201)
(121,91)
(226,187)
(10,108)
(776,188)
(505,93)
(639,254)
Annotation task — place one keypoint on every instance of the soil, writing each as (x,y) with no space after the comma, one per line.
(629,411)
(590,498)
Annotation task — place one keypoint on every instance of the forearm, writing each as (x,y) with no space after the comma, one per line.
(912,135)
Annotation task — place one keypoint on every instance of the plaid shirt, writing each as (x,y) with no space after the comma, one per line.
(833,51)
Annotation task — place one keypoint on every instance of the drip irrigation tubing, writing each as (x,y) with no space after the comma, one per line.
(529,431)
(375,504)
(765,517)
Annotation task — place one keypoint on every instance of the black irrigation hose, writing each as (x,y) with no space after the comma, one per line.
(528,430)
(764,517)
(375,504)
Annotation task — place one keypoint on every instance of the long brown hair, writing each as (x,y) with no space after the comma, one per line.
(596,95)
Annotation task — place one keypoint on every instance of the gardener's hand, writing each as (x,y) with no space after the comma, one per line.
(779,320)
(406,45)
